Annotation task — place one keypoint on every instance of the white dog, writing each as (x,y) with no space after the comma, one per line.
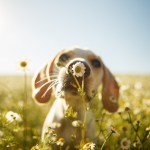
(73,76)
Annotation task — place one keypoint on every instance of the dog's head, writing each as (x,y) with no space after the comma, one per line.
(73,71)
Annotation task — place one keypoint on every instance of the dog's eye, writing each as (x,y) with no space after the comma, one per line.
(64,57)
(96,63)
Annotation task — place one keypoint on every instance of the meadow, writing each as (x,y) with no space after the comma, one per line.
(21,119)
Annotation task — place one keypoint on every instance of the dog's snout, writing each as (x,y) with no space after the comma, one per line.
(79,68)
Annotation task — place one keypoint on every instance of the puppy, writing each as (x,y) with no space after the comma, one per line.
(73,76)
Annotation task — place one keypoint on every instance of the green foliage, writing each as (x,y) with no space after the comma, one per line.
(129,126)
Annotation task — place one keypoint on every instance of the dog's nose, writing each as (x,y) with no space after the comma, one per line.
(79,69)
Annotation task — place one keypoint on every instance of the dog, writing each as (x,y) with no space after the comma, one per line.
(73,76)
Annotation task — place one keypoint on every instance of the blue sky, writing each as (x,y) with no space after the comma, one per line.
(117,30)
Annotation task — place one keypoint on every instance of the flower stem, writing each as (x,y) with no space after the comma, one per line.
(135,130)
(25,111)
(106,140)
(84,126)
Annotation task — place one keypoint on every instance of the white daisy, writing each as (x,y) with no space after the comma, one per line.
(55,125)
(89,146)
(12,116)
(23,64)
(76,123)
(78,69)
(92,146)
(125,143)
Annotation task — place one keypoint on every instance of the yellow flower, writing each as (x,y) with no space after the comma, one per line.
(60,142)
(78,69)
(125,143)
(76,123)
(36,147)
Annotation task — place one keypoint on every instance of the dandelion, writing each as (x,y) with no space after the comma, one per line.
(12,116)
(89,146)
(60,142)
(23,64)
(78,69)
(125,143)
(77,123)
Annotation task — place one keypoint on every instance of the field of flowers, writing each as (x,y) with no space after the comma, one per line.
(21,119)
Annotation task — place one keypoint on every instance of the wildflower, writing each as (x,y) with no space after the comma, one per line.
(49,130)
(23,64)
(52,139)
(78,69)
(89,146)
(12,116)
(50,136)
(127,109)
(136,111)
(124,87)
(138,85)
(36,147)
(125,143)
(148,128)
(148,132)
(137,144)
(92,146)
(114,131)
(125,129)
(70,113)
(76,123)
(60,142)
(148,136)
(55,125)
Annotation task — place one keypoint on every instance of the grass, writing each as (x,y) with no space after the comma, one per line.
(129,127)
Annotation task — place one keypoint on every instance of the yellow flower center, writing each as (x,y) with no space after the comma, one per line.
(78,69)
(23,64)
(125,143)
(61,140)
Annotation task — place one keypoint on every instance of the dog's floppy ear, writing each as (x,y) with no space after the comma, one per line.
(41,83)
(110,91)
